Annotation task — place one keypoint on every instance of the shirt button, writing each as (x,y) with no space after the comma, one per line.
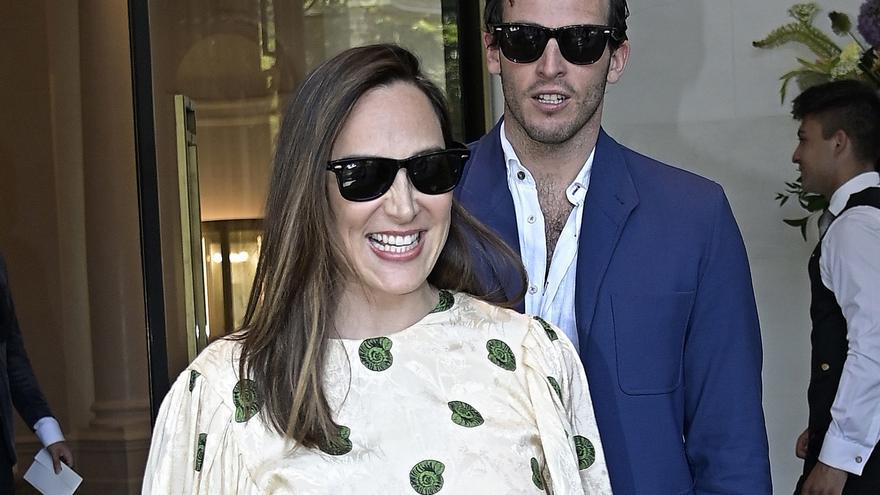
(858,459)
(533,290)
(531,219)
(521,175)
(825,367)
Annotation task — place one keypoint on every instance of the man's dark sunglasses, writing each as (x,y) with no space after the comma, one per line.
(582,44)
(367,178)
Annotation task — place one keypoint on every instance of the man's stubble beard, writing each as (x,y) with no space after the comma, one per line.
(565,131)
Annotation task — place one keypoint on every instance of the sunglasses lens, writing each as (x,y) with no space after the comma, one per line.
(521,43)
(365,179)
(437,173)
(582,45)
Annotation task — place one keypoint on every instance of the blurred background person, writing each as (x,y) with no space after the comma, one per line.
(19,388)
(837,154)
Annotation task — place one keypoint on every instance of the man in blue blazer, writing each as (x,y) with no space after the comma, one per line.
(641,264)
(19,388)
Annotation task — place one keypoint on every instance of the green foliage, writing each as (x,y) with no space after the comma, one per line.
(804,12)
(840,23)
(808,201)
(801,223)
(805,34)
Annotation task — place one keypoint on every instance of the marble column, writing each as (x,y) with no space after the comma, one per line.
(114,446)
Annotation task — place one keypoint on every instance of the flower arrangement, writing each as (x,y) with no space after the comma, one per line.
(857,59)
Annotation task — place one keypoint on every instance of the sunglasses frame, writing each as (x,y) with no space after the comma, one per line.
(609,32)
(338,167)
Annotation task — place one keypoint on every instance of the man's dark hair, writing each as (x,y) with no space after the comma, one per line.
(617,14)
(848,105)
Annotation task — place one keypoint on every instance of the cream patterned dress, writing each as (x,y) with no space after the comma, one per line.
(472,399)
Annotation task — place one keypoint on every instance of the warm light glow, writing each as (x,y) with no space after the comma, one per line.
(239,257)
(205,285)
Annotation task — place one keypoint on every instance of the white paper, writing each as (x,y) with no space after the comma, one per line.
(42,475)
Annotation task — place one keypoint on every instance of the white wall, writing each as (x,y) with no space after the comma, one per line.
(698,95)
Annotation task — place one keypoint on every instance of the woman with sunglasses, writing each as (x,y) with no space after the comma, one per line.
(369,361)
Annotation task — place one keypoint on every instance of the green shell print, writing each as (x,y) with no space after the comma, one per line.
(501,355)
(246,399)
(340,445)
(375,353)
(556,387)
(537,477)
(551,334)
(446,301)
(464,414)
(193,374)
(585,451)
(426,477)
(200,451)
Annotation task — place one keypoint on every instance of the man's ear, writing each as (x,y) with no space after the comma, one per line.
(619,57)
(493,54)
(841,143)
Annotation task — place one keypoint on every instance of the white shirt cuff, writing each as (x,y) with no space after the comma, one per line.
(843,454)
(48,431)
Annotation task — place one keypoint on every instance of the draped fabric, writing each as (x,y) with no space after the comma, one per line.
(471,399)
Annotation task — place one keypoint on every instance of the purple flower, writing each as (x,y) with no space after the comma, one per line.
(869,22)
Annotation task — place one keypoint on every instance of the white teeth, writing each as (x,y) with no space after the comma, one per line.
(554,99)
(394,243)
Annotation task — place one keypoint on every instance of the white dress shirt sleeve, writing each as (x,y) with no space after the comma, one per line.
(850,267)
(48,431)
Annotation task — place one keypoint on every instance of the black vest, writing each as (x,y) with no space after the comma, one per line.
(829,349)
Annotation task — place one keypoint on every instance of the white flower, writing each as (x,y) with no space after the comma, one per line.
(847,61)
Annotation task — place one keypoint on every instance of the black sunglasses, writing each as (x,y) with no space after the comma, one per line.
(367,178)
(582,44)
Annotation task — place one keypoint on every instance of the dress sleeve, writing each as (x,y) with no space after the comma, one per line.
(550,354)
(194,449)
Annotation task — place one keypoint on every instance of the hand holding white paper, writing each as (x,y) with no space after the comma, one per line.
(42,475)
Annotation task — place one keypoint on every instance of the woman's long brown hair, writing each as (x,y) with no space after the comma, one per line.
(301,269)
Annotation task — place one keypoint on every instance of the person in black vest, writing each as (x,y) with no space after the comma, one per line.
(19,387)
(837,154)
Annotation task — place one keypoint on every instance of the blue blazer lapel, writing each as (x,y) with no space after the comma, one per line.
(611,198)
(485,193)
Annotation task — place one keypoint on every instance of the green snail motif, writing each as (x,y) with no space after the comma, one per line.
(537,476)
(200,451)
(340,445)
(551,334)
(501,355)
(426,477)
(246,399)
(586,453)
(556,387)
(446,301)
(464,414)
(375,353)
(193,374)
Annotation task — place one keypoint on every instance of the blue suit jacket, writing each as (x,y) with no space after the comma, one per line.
(666,319)
(18,385)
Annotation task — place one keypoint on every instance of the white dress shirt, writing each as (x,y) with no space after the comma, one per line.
(850,267)
(552,298)
(48,431)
